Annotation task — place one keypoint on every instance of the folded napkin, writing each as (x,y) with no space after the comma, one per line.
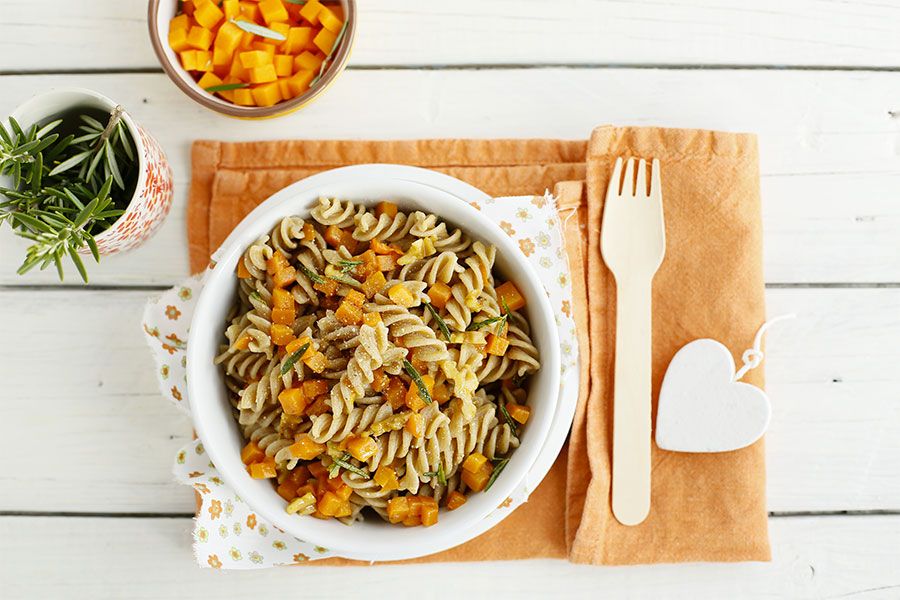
(704,507)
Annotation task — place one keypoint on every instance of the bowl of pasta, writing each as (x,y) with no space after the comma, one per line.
(373,365)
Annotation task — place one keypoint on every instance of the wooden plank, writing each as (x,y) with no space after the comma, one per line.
(92,433)
(828,147)
(95,558)
(101,34)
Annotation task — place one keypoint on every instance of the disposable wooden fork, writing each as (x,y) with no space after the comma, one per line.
(633,243)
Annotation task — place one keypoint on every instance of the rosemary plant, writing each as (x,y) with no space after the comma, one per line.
(65,188)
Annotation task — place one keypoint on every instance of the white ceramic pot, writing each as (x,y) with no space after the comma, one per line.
(152,197)
(413,189)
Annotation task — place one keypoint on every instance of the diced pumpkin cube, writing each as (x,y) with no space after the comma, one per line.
(299,82)
(238,71)
(398,509)
(455,500)
(373,284)
(188,59)
(295,346)
(319,407)
(293,401)
(284,65)
(337,237)
(400,294)
(309,232)
(439,293)
(297,39)
(429,515)
(354,297)
(306,448)
(181,22)
(414,399)
(187,7)
(372,319)
(380,247)
(415,505)
(284,88)
(264,74)
(387,262)
(329,20)
(496,345)
(316,362)
(253,58)
(263,470)
(199,38)
(281,334)
(287,275)
(478,480)
(518,412)
(307,61)
(509,293)
(232,9)
(282,28)
(266,47)
(229,37)
(412,521)
(395,393)
(243,97)
(207,14)
(282,299)
(250,11)
(474,462)
(386,477)
(335,483)
(329,504)
(178,40)
(273,11)
(349,313)
(300,475)
(362,448)
(441,393)
(386,208)
(276,262)
(317,470)
(415,424)
(310,11)
(242,343)
(203,60)
(315,387)
(324,40)
(252,453)
(344,493)
(328,287)
(287,489)
(222,60)
(209,80)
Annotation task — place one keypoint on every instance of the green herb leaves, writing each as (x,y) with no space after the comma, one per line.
(225,87)
(499,465)
(293,358)
(417,379)
(442,325)
(344,463)
(259,30)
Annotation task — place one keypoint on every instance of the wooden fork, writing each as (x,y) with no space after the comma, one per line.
(633,243)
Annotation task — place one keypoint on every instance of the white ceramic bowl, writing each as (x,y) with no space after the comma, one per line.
(412,189)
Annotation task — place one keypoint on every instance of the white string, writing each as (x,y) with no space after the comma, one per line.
(753,357)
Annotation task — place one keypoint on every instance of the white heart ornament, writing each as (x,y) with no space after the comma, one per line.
(702,408)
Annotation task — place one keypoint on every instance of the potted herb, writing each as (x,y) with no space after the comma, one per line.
(79,178)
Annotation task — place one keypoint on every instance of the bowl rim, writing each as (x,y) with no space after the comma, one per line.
(173,71)
(275,207)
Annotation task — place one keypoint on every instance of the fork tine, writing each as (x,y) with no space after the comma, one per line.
(640,189)
(615,180)
(628,183)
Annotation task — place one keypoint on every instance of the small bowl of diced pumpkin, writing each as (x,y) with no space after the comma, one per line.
(252,58)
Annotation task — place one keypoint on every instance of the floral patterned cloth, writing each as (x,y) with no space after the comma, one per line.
(227,533)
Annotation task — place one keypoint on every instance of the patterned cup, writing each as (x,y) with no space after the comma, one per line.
(152,197)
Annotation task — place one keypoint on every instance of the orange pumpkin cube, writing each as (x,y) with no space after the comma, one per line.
(329,504)
(199,38)
(386,208)
(178,39)
(298,343)
(242,343)
(307,61)
(439,294)
(518,412)
(510,294)
(329,20)
(315,387)
(287,489)
(380,379)
(281,335)
(284,65)
(282,299)
(395,393)
(232,10)
(478,480)
(316,362)
(251,59)
(441,393)
(228,37)
(379,247)
(263,74)
(429,515)
(414,399)
(250,10)
(283,316)
(207,14)
(355,297)
(398,509)
(306,448)
(252,453)
(474,462)
(317,470)
(310,11)
(263,470)
(319,407)
(401,295)
(496,345)
(243,97)
(266,94)
(387,262)
(362,448)
(273,11)
(276,262)
(386,477)
(349,313)
(293,401)
(374,283)
(415,424)
(372,319)
(299,82)
(328,287)
(287,275)
(455,500)
(297,39)
(324,40)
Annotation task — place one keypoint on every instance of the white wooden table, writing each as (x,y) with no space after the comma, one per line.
(88,508)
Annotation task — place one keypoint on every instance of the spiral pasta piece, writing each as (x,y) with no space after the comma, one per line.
(331,211)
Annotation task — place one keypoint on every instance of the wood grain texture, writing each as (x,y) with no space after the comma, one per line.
(93,433)
(51,35)
(150,558)
(828,149)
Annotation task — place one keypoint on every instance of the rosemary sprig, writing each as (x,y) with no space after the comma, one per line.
(258,30)
(344,462)
(508,419)
(312,275)
(439,474)
(349,265)
(225,87)
(442,325)
(417,379)
(476,325)
(297,2)
(293,358)
(498,468)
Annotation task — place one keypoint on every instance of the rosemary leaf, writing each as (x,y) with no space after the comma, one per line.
(69,163)
(259,30)
(476,325)
(312,275)
(417,379)
(293,358)
(73,254)
(344,461)
(498,468)
(508,419)
(442,325)
(225,87)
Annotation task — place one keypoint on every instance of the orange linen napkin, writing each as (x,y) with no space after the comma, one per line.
(710,285)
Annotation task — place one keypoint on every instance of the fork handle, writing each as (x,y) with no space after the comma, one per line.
(631,403)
